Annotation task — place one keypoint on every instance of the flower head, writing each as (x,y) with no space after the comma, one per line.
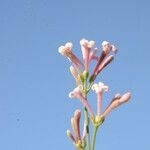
(67,51)
(104,59)
(100,87)
(107,47)
(76,91)
(87,44)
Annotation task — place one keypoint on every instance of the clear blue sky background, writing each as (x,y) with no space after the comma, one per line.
(35,110)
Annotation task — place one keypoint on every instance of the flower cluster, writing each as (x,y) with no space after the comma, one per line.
(84,83)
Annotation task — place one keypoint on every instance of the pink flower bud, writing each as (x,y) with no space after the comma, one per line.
(117,101)
(125,98)
(76,122)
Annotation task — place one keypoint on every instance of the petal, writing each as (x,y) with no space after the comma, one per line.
(69,45)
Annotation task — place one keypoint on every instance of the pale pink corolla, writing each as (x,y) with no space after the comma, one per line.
(76,93)
(117,101)
(76,123)
(86,48)
(107,47)
(99,89)
(104,59)
(67,51)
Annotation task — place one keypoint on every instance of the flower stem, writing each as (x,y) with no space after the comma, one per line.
(87,127)
(86,118)
(94,137)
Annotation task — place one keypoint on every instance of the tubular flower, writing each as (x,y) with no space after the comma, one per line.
(117,101)
(75,122)
(67,51)
(76,93)
(86,48)
(107,47)
(99,89)
(104,59)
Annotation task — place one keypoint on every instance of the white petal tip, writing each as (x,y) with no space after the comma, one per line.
(69,45)
(114,49)
(71,95)
(105,43)
(61,49)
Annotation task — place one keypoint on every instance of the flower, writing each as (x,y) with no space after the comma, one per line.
(104,59)
(76,93)
(107,47)
(99,89)
(67,51)
(85,48)
(117,101)
(75,122)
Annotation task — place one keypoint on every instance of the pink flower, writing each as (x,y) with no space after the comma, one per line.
(117,101)
(107,47)
(99,89)
(76,93)
(104,59)
(86,48)
(67,51)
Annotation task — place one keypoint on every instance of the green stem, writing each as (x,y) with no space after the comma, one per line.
(86,118)
(87,127)
(94,137)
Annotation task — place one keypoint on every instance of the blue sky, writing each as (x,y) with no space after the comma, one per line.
(35,110)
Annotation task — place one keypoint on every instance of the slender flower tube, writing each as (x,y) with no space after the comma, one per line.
(93,55)
(102,63)
(74,74)
(99,89)
(76,120)
(117,101)
(67,51)
(107,61)
(76,93)
(86,48)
